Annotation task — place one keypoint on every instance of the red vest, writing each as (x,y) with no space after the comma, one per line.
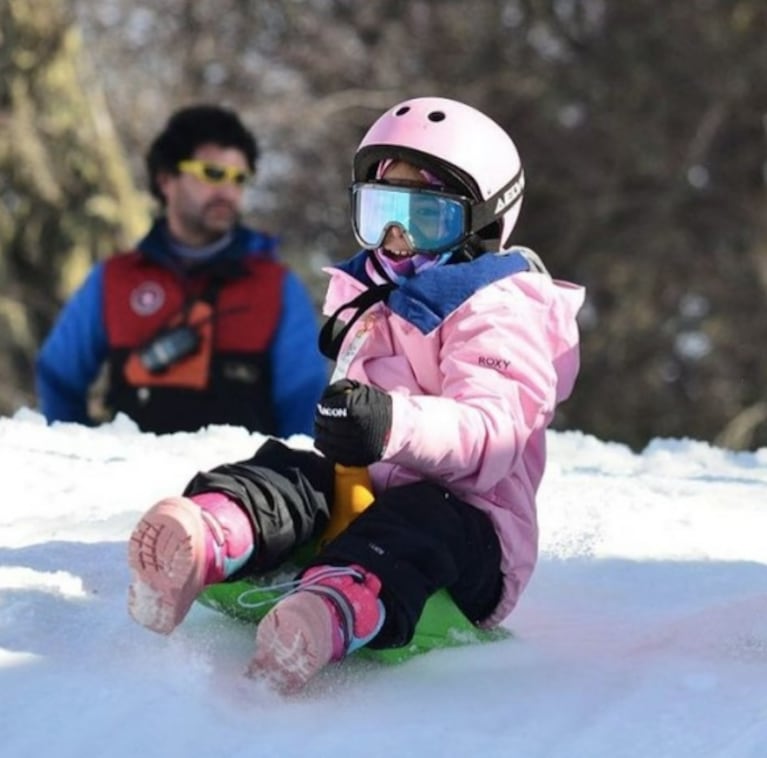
(225,376)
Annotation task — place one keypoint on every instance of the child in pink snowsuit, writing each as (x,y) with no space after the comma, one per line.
(453,348)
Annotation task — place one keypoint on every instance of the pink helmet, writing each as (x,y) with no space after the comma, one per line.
(462,147)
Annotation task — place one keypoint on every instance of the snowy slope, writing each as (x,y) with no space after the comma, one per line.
(643,632)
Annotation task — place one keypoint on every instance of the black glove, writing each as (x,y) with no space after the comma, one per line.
(352,423)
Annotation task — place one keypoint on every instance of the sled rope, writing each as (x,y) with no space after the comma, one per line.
(293,586)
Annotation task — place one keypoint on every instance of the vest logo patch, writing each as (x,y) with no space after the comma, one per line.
(147,299)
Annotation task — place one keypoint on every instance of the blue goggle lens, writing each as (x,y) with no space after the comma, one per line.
(433,222)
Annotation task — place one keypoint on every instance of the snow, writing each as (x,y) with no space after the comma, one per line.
(643,632)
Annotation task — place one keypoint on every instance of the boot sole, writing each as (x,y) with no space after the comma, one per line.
(293,643)
(166,558)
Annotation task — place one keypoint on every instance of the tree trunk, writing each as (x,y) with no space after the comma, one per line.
(66,192)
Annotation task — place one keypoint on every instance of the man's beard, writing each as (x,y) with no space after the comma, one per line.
(211,223)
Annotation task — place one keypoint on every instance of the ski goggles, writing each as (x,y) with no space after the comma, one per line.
(214,173)
(432,221)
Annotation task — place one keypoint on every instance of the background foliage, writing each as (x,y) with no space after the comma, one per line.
(641,126)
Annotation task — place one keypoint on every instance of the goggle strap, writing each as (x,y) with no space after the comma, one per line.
(485,213)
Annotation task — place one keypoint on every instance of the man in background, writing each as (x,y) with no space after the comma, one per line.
(199,324)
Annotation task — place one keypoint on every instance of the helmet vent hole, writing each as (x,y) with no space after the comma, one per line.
(402,111)
(436,116)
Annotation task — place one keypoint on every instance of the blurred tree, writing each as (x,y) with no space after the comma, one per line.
(66,193)
(655,176)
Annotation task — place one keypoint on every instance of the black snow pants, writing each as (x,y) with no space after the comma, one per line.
(416,538)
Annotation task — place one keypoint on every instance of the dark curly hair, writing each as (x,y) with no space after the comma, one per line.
(190,127)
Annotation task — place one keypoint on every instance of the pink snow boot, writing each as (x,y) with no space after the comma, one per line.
(181,545)
(334,611)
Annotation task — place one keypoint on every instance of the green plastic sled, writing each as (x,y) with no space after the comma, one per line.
(441,624)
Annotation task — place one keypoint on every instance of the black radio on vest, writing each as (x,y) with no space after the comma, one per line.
(168,347)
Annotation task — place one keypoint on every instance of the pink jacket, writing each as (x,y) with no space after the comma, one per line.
(476,357)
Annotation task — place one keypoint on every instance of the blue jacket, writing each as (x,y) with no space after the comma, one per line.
(81,341)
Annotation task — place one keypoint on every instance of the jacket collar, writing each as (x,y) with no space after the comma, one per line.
(245,243)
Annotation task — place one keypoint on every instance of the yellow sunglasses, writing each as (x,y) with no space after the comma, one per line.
(213,173)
